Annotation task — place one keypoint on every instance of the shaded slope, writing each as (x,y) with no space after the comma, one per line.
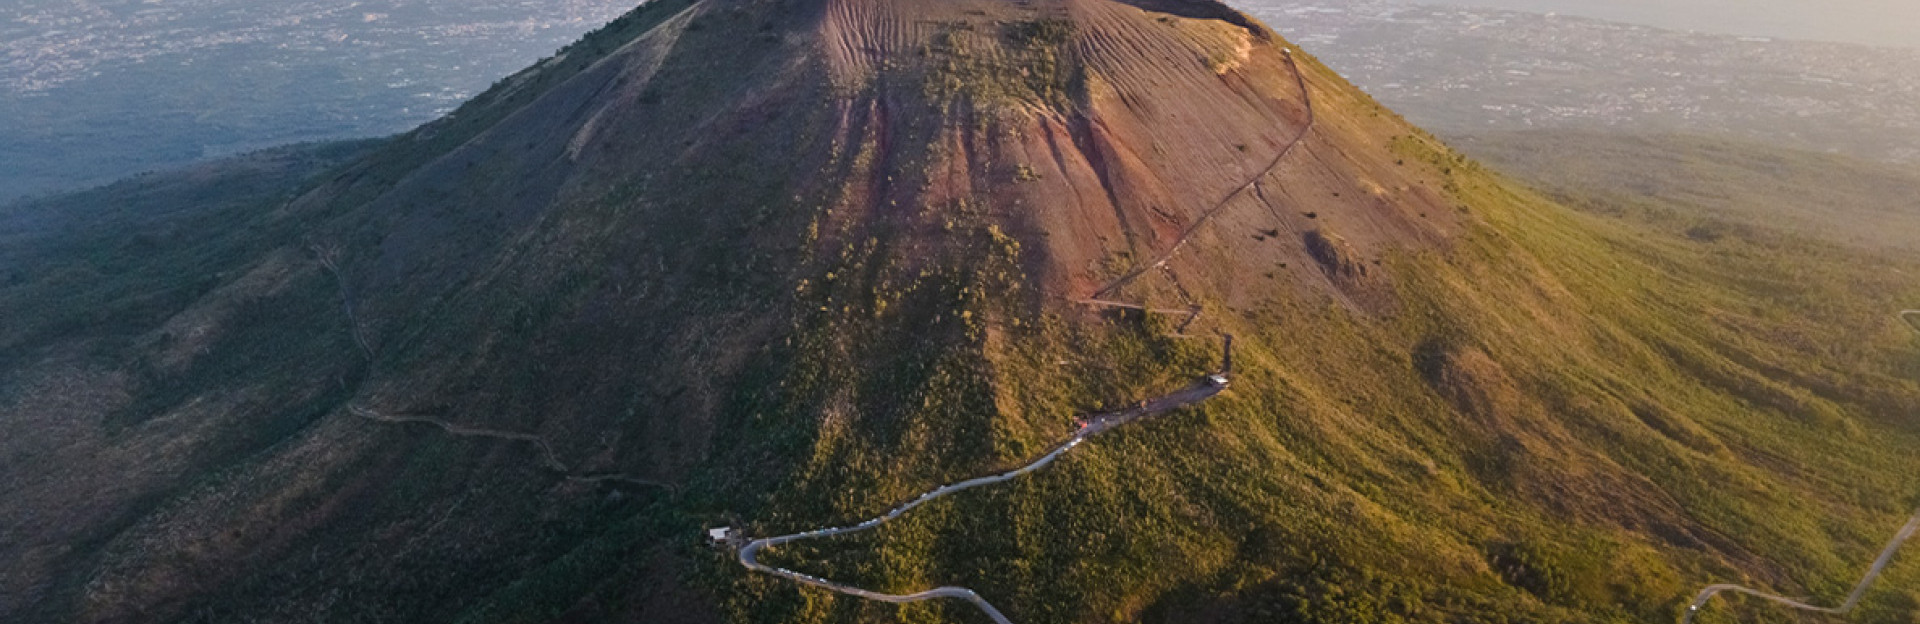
(805,259)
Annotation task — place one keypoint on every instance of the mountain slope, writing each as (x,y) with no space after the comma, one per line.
(803,260)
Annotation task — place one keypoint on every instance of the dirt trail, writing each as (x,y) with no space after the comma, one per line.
(329,258)
(1859,591)
(1306,96)
(551,460)
(1201,390)
(1191,313)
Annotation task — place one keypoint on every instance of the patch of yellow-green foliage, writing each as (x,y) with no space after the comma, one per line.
(1651,413)
(1020,65)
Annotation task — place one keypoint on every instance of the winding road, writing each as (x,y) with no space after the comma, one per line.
(1859,591)
(1853,600)
(1199,391)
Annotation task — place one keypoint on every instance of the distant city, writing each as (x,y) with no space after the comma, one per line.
(1461,71)
(95,90)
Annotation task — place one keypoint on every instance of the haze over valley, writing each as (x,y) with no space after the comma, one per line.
(90,92)
(1464,71)
(96,90)
(1865,22)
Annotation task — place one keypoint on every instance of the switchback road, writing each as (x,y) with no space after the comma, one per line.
(1859,591)
(1201,390)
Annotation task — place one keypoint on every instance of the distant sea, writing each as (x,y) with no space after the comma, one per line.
(1870,22)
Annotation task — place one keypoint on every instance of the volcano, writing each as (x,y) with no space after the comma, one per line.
(782,264)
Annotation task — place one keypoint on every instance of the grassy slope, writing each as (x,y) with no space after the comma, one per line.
(1333,485)
(94,252)
(1335,490)
(96,277)
(92,282)
(1634,412)
(1757,379)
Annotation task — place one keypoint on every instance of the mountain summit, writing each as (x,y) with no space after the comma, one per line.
(1104,137)
(777,265)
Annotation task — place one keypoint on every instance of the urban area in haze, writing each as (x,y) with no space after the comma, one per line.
(93,91)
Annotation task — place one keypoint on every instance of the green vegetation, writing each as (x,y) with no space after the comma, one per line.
(1563,459)
(115,262)
(1024,64)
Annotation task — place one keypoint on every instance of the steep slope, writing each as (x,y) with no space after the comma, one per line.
(802,260)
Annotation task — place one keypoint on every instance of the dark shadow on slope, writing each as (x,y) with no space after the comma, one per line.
(1203,9)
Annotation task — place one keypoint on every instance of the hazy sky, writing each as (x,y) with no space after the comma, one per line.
(1873,22)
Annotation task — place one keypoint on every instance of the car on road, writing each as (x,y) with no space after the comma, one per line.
(1218,381)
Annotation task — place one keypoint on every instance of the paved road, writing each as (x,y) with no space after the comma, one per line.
(1186,235)
(1201,390)
(1853,600)
(1859,591)
(550,459)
